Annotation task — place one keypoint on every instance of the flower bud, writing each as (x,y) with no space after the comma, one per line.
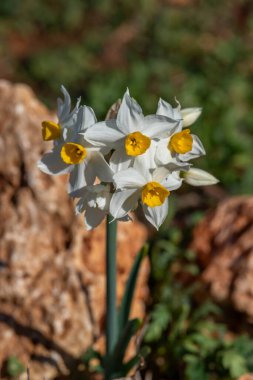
(190,115)
(199,177)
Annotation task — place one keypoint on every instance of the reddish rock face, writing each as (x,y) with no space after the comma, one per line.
(52,272)
(224,244)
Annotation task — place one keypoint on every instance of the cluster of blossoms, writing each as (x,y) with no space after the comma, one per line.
(117,164)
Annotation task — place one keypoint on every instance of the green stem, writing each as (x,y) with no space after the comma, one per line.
(111,277)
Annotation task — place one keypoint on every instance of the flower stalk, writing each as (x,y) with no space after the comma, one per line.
(111,275)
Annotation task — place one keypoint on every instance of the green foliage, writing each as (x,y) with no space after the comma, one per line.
(14,367)
(184,336)
(127,329)
(125,307)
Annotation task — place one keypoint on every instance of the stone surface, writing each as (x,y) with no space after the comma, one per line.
(52,274)
(224,244)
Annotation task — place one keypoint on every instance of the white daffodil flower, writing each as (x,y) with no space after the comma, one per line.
(66,119)
(75,155)
(181,146)
(95,203)
(199,177)
(131,134)
(151,188)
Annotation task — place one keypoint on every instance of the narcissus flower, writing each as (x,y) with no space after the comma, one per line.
(180,146)
(66,119)
(94,202)
(77,156)
(131,134)
(152,189)
(146,157)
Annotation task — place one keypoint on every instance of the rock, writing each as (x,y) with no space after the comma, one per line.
(224,245)
(52,272)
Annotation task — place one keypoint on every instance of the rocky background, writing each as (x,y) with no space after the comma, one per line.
(52,274)
(223,242)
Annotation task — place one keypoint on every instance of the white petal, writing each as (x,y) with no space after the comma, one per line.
(156,126)
(82,175)
(199,177)
(123,201)
(172,181)
(190,115)
(52,163)
(165,109)
(129,179)
(104,134)
(101,167)
(93,217)
(64,105)
(129,115)
(85,119)
(197,150)
(156,215)
(120,160)
(146,161)
(163,155)
(66,118)
(160,173)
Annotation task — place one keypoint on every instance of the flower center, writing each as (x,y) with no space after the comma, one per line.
(181,142)
(136,143)
(153,194)
(50,130)
(72,153)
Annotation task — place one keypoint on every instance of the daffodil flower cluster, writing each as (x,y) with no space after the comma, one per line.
(116,165)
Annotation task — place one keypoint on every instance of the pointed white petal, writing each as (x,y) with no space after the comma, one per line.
(146,161)
(120,160)
(156,215)
(89,116)
(101,167)
(82,175)
(160,173)
(85,119)
(104,134)
(165,109)
(129,116)
(123,201)
(129,179)
(163,155)
(64,105)
(155,126)
(172,181)
(199,177)
(190,115)
(93,217)
(51,163)
(66,118)
(197,150)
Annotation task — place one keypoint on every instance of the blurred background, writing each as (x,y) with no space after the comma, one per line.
(199,51)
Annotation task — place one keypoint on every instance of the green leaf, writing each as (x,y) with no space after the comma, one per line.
(234,363)
(125,308)
(160,319)
(115,360)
